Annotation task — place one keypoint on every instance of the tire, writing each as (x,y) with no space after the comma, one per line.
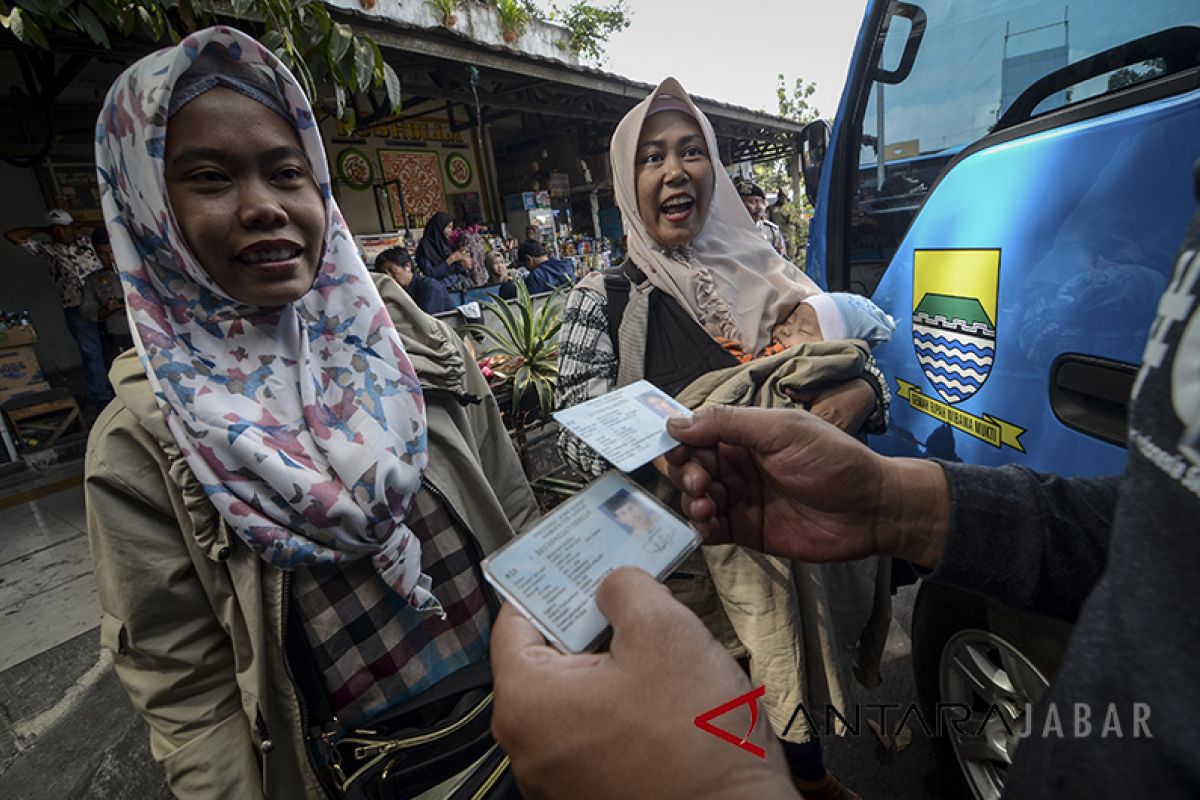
(977,666)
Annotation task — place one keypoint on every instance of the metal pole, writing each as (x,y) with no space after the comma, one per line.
(488,163)
(880,169)
(378,189)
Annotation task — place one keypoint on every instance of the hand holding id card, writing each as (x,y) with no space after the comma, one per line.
(551,572)
(627,426)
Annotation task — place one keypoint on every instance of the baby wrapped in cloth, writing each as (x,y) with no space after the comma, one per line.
(834,617)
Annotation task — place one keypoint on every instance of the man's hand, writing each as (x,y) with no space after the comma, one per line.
(621,723)
(788,484)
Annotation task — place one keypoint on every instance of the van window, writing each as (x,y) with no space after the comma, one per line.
(974,60)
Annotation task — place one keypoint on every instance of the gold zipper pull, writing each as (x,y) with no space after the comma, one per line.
(333,756)
(371,750)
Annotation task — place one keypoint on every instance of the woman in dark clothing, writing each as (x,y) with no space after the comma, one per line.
(469,237)
(435,259)
(429,294)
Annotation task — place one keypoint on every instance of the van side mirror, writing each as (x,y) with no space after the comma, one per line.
(814,142)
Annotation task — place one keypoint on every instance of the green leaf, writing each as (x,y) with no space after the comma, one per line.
(147,20)
(15,22)
(272,39)
(545,396)
(240,7)
(392,81)
(25,28)
(93,27)
(378,56)
(339,42)
(321,15)
(340,95)
(364,64)
(125,20)
(312,37)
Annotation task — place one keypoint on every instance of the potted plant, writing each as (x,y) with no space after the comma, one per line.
(513,18)
(446,9)
(524,355)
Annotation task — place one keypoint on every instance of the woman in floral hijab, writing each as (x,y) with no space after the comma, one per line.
(286,412)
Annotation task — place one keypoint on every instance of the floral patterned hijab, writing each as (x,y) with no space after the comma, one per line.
(305,424)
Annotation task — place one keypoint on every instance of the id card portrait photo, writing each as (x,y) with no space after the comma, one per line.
(551,572)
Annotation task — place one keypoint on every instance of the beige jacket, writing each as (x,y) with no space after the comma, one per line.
(194,619)
(809,629)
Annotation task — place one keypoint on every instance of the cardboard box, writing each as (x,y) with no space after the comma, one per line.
(20,373)
(15,337)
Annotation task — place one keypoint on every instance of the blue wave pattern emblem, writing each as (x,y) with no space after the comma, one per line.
(956,351)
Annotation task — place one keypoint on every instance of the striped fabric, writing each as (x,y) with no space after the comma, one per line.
(587,368)
(373,649)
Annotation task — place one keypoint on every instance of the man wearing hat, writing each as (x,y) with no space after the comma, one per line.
(756,203)
(72,259)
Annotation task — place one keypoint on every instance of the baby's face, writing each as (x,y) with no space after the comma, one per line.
(801,327)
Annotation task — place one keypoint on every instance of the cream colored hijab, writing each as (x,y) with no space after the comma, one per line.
(731,280)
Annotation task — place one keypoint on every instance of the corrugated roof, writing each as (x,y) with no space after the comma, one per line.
(449,43)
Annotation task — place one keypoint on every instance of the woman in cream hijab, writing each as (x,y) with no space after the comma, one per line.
(699,282)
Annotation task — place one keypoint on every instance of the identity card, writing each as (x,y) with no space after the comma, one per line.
(551,572)
(627,426)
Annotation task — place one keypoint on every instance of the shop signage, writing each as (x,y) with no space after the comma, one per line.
(411,130)
(354,169)
(458,170)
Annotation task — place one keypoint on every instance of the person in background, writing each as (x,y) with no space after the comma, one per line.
(469,237)
(437,260)
(72,259)
(516,270)
(545,273)
(755,200)
(532,234)
(499,274)
(429,294)
(779,213)
(103,300)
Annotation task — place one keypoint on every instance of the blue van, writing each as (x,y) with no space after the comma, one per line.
(1011,181)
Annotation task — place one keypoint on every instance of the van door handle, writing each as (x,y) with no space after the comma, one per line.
(1091,395)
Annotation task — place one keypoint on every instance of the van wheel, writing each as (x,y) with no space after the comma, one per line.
(978,666)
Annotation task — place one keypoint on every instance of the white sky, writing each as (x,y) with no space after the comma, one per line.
(731,50)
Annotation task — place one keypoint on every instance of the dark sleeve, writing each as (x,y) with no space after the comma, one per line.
(430,295)
(1035,542)
(442,270)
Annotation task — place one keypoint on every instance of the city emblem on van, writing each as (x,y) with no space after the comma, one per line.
(954,318)
(954,335)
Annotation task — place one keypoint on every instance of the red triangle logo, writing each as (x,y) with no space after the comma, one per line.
(750,698)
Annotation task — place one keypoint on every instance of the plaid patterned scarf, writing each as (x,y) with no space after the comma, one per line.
(373,650)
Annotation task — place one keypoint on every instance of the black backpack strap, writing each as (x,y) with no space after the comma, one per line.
(617,283)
